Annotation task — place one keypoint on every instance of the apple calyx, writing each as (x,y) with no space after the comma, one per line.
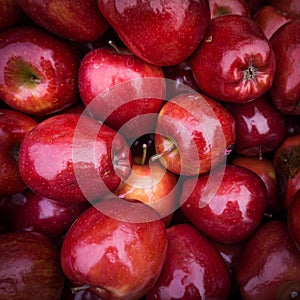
(250,73)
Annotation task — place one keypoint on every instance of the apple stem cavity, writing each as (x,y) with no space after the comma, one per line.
(76,289)
(250,73)
(158,156)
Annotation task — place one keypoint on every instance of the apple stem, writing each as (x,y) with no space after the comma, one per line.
(145,147)
(260,156)
(111,43)
(79,288)
(35,79)
(158,156)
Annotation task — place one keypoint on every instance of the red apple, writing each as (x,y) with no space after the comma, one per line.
(75,20)
(237,7)
(10,14)
(293,218)
(268,267)
(161,32)
(269,18)
(194,268)
(113,85)
(115,258)
(13,128)
(285,91)
(265,169)
(229,210)
(32,212)
(235,61)
(287,165)
(154,185)
(260,127)
(38,71)
(71,158)
(255,5)
(193,133)
(290,7)
(30,267)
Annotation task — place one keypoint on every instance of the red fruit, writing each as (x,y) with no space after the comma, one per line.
(13,128)
(115,257)
(160,32)
(270,19)
(228,207)
(71,158)
(293,218)
(30,267)
(10,14)
(38,71)
(235,61)
(75,20)
(289,7)
(268,267)
(119,88)
(260,127)
(194,268)
(285,91)
(193,133)
(237,7)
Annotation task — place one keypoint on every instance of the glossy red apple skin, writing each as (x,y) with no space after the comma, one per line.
(290,7)
(32,212)
(30,267)
(285,90)
(260,127)
(293,218)
(235,61)
(265,169)
(74,20)
(229,211)
(287,165)
(13,128)
(104,68)
(72,158)
(10,14)
(117,259)
(38,71)
(268,267)
(237,7)
(163,32)
(200,128)
(194,268)
(269,18)
(153,185)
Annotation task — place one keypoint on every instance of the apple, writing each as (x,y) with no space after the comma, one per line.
(33,212)
(268,267)
(194,268)
(13,128)
(227,210)
(78,21)
(30,267)
(193,133)
(72,158)
(38,71)
(290,7)
(161,32)
(269,18)
(235,61)
(10,14)
(293,218)
(237,7)
(287,166)
(153,185)
(255,5)
(260,127)
(114,87)
(116,255)
(265,169)
(285,90)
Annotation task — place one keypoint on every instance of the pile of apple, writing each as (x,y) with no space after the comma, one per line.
(149,149)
